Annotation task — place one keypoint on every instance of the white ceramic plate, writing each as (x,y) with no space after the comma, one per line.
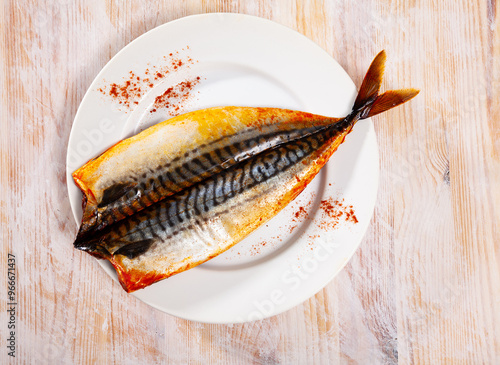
(246,61)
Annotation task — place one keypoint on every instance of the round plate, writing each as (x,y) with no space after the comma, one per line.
(245,61)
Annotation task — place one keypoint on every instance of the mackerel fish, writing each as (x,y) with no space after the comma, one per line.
(185,190)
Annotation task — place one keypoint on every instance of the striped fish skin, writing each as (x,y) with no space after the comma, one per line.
(206,219)
(148,167)
(209,207)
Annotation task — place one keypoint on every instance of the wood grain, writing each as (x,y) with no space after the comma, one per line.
(424,287)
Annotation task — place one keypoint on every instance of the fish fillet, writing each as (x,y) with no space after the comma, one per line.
(188,189)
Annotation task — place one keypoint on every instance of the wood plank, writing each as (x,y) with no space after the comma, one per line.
(423,287)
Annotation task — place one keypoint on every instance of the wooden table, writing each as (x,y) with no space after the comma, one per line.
(424,286)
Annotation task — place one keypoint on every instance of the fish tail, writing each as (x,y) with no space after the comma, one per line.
(368,102)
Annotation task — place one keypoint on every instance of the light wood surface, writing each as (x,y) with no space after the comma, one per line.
(424,286)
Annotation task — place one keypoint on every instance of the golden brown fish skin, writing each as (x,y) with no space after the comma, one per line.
(207,150)
(206,218)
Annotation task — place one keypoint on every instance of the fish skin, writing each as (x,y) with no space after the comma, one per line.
(207,216)
(156,163)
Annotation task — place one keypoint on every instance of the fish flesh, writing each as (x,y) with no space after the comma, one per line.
(185,190)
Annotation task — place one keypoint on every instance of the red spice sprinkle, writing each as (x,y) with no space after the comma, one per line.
(134,86)
(113,91)
(336,212)
(300,214)
(175,96)
(255,249)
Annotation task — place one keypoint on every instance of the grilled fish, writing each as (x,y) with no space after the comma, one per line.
(188,189)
